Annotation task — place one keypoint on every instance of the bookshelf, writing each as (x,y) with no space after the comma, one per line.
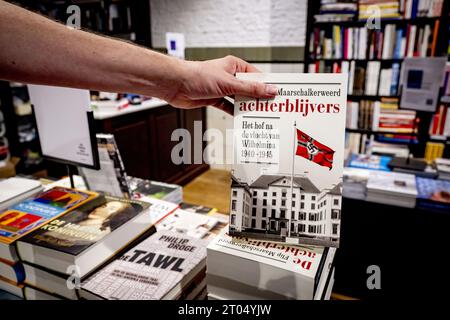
(330,48)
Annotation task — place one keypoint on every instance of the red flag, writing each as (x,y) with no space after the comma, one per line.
(313,150)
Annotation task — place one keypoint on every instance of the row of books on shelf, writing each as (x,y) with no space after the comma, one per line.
(336,11)
(76,244)
(369,177)
(393,42)
(371,79)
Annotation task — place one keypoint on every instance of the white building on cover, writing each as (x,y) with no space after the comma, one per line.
(267,207)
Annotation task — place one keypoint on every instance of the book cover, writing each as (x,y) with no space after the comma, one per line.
(31,214)
(192,224)
(288,160)
(77,230)
(434,194)
(371,162)
(111,179)
(150,270)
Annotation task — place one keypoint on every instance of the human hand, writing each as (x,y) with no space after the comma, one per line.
(206,83)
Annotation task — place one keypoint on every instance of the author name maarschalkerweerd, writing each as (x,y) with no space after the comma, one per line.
(297,105)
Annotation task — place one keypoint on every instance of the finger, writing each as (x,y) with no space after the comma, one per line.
(252,89)
(243,66)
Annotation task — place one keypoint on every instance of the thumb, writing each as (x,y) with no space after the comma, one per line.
(253,89)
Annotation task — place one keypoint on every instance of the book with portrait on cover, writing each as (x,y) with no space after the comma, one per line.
(288,160)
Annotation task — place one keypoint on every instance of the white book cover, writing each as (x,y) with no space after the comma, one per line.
(288,159)
(270,268)
(189,223)
(150,270)
(392,183)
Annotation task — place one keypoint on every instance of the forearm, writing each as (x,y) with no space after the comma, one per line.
(37,50)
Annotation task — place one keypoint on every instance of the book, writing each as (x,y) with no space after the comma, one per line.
(197,208)
(266,269)
(158,268)
(86,237)
(154,189)
(443,168)
(394,188)
(370,162)
(111,179)
(31,214)
(433,194)
(17,189)
(188,223)
(12,271)
(11,287)
(289,155)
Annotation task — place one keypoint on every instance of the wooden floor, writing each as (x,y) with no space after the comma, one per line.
(211,189)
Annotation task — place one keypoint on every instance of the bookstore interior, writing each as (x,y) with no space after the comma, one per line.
(336,188)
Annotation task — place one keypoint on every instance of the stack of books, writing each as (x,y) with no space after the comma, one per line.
(240,268)
(355,183)
(22,219)
(394,188)
(385,9)
(433,150)
(169,265)
(64,251)
(336,11)
(443,168)
(166,266)
(433,194)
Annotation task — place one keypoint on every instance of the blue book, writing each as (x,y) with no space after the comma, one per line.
(370,162)
(395,78)
(398,43)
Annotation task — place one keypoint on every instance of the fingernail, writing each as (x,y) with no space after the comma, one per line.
(271,90)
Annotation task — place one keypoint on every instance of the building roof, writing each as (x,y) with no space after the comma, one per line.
(265,181)
(237,184)
(337,190)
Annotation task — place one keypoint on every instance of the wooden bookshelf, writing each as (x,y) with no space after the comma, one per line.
(422,131)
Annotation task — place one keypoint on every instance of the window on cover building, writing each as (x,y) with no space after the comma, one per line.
(254,211)
(264,212)
(272,225)
(293,203)
(302,205)
(282,213)
(292,227)
(273,213)
(233,205)
(264,202)
(283,203)
(253,223)
(336,202)
(293,215)
(302,197)
(274,194)
(265,194)
(254,201)
(234,193)
(335,227)
(334,214)
(263,224)
(313,206)
(313,198)
(255,193)
(233,219)
(274,202)
(301,227)
(293,195)
(283,194)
